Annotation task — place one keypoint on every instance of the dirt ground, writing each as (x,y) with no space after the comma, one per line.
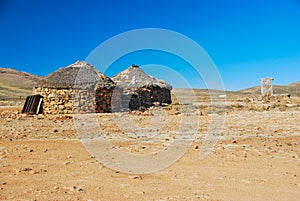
(256,156)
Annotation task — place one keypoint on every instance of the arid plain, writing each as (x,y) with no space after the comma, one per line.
(256,155)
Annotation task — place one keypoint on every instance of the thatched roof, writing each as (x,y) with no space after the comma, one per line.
(134,78)
(77,75)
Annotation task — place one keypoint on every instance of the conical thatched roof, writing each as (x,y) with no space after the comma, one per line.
(134,78)
(77,75)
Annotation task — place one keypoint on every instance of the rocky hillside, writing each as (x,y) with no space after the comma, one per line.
(16,84)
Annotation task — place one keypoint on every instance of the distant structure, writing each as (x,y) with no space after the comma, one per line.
(266,87)
(141,91)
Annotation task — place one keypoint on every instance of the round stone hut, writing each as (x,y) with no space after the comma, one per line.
(77,88)
(140,90)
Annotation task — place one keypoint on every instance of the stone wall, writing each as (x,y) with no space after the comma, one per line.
(83,101)
(68,101)
(145,97)
(56,101)
(106,99)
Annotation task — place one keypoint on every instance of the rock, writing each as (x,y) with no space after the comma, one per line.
(75,188)
(33,172)
(40,116)
(68,105)
(135,177)
(177,113)
(52,95)
(140,192)
(23,169)
(61,107)
(246,181)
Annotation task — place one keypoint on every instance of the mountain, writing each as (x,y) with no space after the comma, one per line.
(16,84)
(293,89)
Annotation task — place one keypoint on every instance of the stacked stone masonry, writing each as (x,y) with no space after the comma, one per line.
(68,101)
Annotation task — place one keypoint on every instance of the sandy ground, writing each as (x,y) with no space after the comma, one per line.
(256,157)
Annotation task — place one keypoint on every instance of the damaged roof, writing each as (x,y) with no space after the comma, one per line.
(134,77)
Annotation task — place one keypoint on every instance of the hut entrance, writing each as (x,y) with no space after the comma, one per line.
(33,105)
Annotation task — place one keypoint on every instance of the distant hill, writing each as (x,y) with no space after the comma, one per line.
(293,89)
(16,84)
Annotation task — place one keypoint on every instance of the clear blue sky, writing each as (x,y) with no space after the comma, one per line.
(247,39)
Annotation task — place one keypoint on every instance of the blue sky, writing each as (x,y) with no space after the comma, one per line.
(246,39)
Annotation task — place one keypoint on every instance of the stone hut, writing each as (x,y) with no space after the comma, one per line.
(77,88)
(140,90)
